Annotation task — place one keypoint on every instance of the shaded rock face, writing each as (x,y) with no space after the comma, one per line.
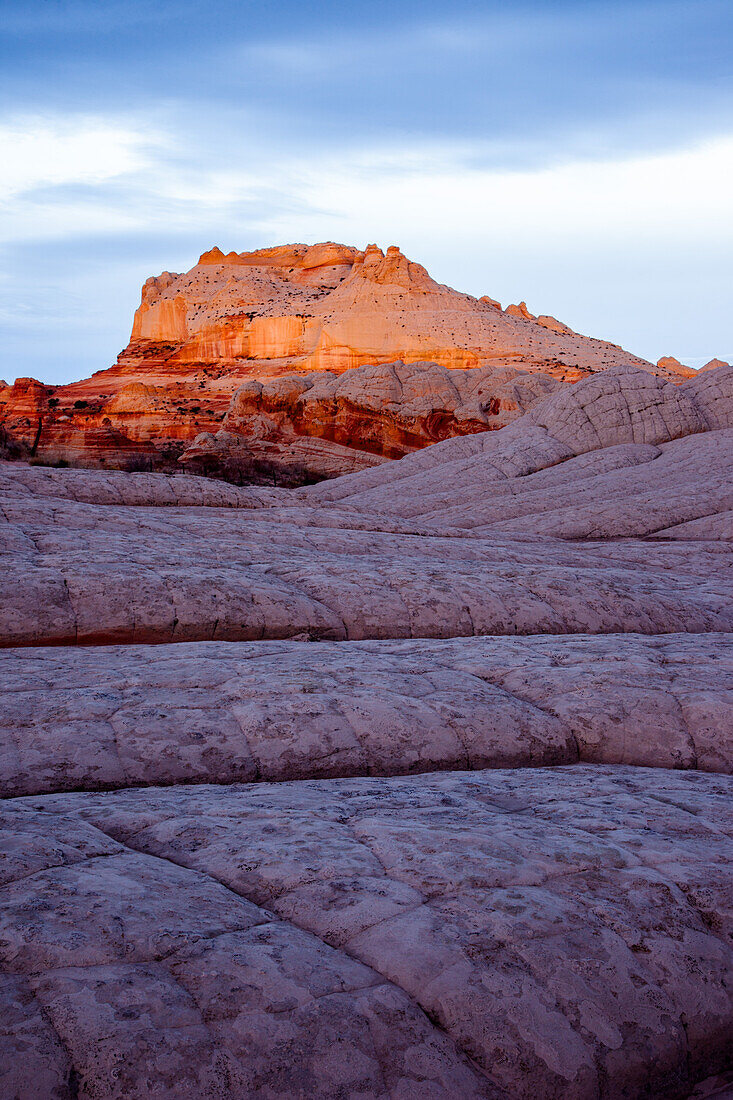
(288,460)
(23,407)
(424,790)
(135,426)
(297,310)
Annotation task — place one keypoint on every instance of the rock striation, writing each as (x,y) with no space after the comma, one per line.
(385,410)
(621,417)
(78,571)
(413,783)
(265,322)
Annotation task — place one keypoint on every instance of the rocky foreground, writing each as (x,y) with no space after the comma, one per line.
(415,783)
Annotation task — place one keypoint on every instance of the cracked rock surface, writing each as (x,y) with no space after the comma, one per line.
(518,933)
(475,841)
(120,716)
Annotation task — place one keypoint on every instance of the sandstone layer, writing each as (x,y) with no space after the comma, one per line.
(295,310)
(386,410)
(331,307)
(110,574)
(568,454)
(474,840)
(124,716)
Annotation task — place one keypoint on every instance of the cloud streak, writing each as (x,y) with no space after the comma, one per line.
(53,151)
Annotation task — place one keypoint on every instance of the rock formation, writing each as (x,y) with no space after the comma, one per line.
(385,410)
(669,363)
(218,712)
(330,307)
(475,842)
(300,311)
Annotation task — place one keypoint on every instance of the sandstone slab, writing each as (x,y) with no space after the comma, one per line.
(106,574)
(567,930)
(220,712)
(238,864)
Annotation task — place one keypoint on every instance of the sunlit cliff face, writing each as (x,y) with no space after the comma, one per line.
(332,307)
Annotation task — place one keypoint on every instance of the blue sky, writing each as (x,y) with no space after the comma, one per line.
(577,155)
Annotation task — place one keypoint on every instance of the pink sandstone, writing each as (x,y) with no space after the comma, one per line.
(218,712)
(561,933)
(475,841)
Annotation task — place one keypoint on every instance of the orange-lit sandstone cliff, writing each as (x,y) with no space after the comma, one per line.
(293,310)
(330,307)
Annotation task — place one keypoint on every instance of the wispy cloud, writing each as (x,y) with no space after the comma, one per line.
(40,151)
(112,175)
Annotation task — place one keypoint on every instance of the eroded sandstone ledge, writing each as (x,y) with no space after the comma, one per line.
(91,718)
